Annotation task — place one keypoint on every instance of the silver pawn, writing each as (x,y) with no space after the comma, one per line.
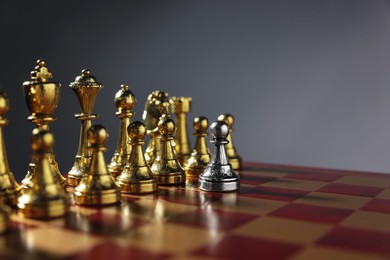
(219,175)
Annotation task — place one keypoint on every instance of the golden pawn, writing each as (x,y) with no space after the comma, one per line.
(181,106)
(86,87)
(42,97)
(9,188)
(156,106)
(137,178)
(234,159)
(200,156)
(166,168)
(97,186)
(44,199)
(124,101)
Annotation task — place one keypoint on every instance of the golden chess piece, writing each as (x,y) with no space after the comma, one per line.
(9,188)
(137,178)
(181,106)
(44,199)
(42,98)
(200,156)
(97,186)
(86,88)
(156,106)
(166,168)
(234,159)
(124,101)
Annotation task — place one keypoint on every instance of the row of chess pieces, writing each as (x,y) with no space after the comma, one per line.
(167,160)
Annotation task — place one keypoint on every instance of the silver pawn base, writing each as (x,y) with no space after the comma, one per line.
(227,180)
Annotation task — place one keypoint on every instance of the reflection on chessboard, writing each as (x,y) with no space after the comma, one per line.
(279,212)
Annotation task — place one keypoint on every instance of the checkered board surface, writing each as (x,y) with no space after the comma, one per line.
(280,212)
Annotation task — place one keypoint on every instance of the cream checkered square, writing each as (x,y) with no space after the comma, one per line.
(279,229)
(333,200)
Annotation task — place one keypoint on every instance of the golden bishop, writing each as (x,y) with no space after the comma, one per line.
(181,106)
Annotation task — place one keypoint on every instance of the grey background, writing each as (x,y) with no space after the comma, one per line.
(308,81)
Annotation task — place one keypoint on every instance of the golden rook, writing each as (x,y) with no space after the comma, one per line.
(181,106)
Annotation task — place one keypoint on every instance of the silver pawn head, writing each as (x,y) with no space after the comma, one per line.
(219,129)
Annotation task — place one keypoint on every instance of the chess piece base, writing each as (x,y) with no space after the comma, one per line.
(45,210)
(218,186)
(192,182)
(193,171)
(171,178)
(104,198)
(142,187)
(219,178)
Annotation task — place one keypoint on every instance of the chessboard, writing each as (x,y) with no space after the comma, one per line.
(279,212)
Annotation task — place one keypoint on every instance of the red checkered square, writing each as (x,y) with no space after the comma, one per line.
(378,205)
(312,213)
(240,247)
(188,197)
(207,217)
(312,176)
(112,251)
(273,193)
(255,179)
(21,225)
(129,198)
(100,223)
(349,189)
(358,239)
(15,246)
(114,219)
